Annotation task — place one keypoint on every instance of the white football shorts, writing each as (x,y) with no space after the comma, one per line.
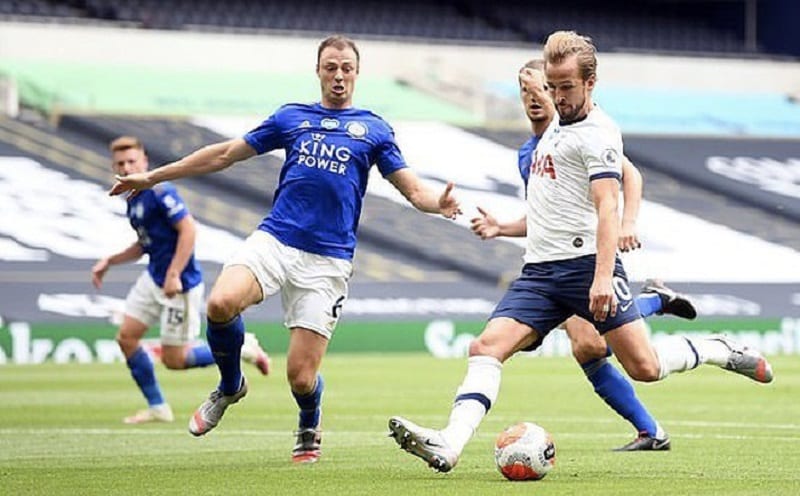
(313,287)
(179,316)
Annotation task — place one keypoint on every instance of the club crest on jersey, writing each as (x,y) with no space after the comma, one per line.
(356,129)
(610,156)
(138,210)
(328,123)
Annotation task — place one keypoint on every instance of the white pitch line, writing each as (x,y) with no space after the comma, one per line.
(370,434)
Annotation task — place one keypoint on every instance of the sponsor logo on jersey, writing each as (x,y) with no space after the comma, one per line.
(328,123)
(577,242)
(356,129)
(543,166)
(316,154)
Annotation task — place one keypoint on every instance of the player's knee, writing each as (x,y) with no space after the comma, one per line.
(587,350)
(221,308)
(479,347)
(127,343)
(173,362)
(644,371)
(301,381)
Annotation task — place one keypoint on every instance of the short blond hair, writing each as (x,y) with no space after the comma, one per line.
(125,143)
(562,44)
(535,64)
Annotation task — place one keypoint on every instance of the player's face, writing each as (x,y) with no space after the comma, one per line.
(534,96)
(129,161)
(337,72)
(570,93)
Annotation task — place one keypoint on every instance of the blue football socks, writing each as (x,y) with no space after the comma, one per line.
(225,341)
(141,367)
(199,355)
(648,303)
(618,393)
(310,405)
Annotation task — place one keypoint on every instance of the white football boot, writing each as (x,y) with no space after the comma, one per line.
(158,413)
(253,353)
(423,443)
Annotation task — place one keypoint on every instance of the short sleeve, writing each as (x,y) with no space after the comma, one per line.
(388,157)
(602,154)
(267,136)
(173,205)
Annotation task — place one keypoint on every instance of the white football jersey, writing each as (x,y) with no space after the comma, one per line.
(561,218)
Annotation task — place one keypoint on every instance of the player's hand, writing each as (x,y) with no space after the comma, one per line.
(534,82)
(98,271)
(172,285)
(448,204)
(628,239)
(132,182)
(485,226)
(602,299)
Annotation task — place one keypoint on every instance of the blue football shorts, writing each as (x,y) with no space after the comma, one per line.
(548,293)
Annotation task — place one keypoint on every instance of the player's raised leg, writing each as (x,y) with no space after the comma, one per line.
(670,354)
(236,288)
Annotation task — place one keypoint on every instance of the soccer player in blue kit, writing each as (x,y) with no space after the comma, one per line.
(588,347)
(169,292)
(303,248)
(571,266)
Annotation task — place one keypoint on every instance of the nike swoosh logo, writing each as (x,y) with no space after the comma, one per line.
(625,307)
(660,444)
(428,442)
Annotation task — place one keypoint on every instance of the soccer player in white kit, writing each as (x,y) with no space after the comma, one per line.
(571,266)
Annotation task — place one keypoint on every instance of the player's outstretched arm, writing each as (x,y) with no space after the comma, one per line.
(424,198)
(487,226)
(129,254)
(632,192)
(211,158)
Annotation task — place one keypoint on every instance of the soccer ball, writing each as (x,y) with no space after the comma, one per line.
(524,451)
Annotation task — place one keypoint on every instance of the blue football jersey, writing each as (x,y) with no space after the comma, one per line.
(525,158)
(152,214)
(324,178)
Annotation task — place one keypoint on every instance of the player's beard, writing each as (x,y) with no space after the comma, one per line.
(572,112)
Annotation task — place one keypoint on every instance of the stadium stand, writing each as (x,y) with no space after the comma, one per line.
(651,25)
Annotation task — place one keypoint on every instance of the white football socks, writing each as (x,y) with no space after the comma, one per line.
(679,353)
(483,377)
(711,351)
(674,355)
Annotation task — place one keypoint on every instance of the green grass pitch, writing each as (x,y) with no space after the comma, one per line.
(61,432)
